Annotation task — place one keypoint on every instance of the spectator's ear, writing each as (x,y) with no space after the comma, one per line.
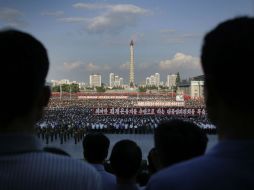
(42,101)
(46,96)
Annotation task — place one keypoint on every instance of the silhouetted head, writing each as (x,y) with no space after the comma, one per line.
(227,61)
(95,147)
(24,66)
(125,159)
(153,161)
(178,140)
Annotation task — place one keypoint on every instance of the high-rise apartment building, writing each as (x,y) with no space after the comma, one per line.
(148,81)
(157,78)
(111,80)
(197,87)
(121,82)
(171,80)
(153,80)
(115,80)
(95,80)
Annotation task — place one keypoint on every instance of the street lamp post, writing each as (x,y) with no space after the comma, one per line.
(171,92)
(61,92)
(70,92)
(199,89)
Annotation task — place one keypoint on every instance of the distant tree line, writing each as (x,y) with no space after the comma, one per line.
(66,88)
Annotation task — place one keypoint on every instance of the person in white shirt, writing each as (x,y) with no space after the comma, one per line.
(23,163)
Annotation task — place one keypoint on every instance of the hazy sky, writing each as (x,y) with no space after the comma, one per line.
(85,37)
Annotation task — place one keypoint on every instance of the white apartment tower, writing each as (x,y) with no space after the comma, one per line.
(121,82)
(197,89)
(171,80)
(157,78)
(95,80)
(153,80)
(148,81)
(132,75)
(117,81)
(111,80)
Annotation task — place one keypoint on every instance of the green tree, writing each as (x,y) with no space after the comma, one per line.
(142,89)
(66,88)
(163,87)
(174,88)
(55,88)
(178,79)
(153,87)
(100,89)
(117,88)
(74,88)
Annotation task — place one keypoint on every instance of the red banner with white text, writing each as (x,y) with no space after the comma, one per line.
(150,111)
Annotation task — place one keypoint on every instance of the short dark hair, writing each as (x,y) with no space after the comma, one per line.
(125,159)
(24,61)
(152,159)
(95,146)
(178,140)
(227,54)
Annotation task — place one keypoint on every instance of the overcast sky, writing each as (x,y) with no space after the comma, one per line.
(85,37)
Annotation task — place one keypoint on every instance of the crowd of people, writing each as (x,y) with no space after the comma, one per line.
(63,102)
(66,119)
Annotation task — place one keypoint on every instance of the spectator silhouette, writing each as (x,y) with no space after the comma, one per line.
(153,161)
(178,140)
(95,146)
(227,53)
(153,165)
(125,160)
(23,163)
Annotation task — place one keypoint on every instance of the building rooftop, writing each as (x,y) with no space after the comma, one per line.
(198,78)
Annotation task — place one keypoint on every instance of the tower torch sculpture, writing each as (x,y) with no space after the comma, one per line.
(132,75)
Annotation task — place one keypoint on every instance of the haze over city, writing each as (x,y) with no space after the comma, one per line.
(85,37)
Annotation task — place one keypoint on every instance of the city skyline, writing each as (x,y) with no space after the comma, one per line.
(114,77)
(85,37)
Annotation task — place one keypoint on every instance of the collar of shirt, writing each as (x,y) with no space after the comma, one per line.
(99,167)
(19,143)
(128,186)
(233,149)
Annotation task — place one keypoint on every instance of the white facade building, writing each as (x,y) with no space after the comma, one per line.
(148,81)
(121,82)
(171,80)
(157,78)
(95,80)
(111,80)
(81,85)
(153,80)
(115,80)
(63,81)
(197,89)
